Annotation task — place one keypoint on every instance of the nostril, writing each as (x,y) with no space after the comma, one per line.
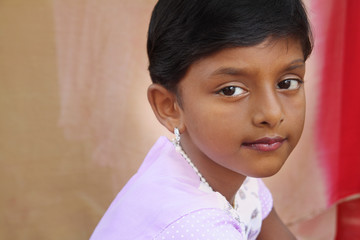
(268,116)
(271,123)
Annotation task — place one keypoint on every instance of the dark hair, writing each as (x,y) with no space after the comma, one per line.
(182,31)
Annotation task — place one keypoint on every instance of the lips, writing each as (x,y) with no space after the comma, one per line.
(266,144)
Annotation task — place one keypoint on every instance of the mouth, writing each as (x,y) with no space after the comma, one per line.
(266,144)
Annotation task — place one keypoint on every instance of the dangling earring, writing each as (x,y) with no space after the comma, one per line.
(177,138)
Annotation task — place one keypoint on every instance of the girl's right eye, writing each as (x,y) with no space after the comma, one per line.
(232,91)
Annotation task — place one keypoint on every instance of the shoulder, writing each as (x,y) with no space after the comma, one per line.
(203,224)
(164,189)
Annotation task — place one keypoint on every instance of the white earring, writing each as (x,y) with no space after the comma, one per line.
(177,137)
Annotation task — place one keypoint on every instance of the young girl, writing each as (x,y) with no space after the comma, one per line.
(228,81)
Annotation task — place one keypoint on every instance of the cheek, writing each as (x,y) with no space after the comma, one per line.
(213,125)
(300,107)
(204,121)
(213,117)
(296,116)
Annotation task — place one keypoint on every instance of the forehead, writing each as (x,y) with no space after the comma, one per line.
(269,54)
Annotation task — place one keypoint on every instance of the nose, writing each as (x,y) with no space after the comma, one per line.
(268,110)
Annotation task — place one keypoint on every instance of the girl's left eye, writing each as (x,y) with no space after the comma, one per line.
(289,84)
(231,91)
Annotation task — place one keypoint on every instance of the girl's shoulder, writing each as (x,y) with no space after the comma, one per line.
(166,194)
(210,223)
(253,203)
(164,189)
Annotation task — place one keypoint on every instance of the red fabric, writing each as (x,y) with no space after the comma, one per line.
(348,221)
(339,103)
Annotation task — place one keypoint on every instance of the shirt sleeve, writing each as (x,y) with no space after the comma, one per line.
(265,199)
(211,224)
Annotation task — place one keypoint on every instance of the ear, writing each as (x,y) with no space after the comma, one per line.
(165,105)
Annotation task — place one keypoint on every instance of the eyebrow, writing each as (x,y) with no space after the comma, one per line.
(228,71)
(296,64)
(239,71)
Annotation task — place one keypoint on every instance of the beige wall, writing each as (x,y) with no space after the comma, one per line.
(50,186)
(75,123)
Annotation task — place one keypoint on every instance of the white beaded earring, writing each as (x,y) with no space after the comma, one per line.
(177,137)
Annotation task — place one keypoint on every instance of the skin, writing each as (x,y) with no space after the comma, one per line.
(236,97)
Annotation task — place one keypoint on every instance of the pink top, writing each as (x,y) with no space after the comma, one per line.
(165,199)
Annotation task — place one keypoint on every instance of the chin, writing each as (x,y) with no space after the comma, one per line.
(266,171)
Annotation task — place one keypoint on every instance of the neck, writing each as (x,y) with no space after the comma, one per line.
(220,178)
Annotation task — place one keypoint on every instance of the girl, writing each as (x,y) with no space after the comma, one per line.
(228,81)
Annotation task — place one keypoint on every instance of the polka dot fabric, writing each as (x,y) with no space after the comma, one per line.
(203,224)
(265,198)
(253,203)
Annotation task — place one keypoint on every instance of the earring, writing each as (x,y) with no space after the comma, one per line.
(177,137)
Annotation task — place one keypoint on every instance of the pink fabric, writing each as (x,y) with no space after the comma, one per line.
(218,224)
(266,199)
(203,224)
(163,200)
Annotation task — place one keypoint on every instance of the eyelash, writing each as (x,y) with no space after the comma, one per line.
(233,90)
(298,81)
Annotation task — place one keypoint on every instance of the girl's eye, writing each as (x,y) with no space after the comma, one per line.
(232,91)
(289,84)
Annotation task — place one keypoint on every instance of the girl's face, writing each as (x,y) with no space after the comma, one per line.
(243,109)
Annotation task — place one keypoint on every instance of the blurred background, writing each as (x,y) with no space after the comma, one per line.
(75,123)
